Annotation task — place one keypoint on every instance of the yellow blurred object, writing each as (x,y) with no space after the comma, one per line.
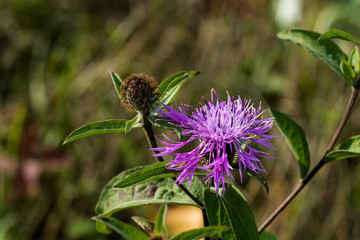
(183,218)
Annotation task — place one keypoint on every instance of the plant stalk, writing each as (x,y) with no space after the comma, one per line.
(303,183)
(152,142)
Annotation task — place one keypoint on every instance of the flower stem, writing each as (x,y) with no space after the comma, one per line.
(149,133)
(152,142)
(303,183)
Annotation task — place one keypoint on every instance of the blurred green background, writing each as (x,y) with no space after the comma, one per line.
(55,58)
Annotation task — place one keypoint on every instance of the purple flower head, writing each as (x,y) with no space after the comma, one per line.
(222,128)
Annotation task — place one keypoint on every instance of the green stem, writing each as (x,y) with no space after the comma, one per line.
(149,133)
(319,165)
(152,142)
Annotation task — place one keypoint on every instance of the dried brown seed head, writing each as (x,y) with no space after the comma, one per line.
(138,93)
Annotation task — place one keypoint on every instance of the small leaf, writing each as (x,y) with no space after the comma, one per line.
(295,137)
(108,126)
(195,234)
(231,211)
(267,236)
(125,230)
(102,228)
(355,59)
(170,87)
(117,82)
(349,148)
(164,84)
(347,69)
(133,123)
(156,121)
(325,50)
(154,192)
(260,179)
(335,33)
(149,173)
(160,223)
(145,224)
(349,73)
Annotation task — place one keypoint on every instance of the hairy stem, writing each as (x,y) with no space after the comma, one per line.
(318,166)
(152,142)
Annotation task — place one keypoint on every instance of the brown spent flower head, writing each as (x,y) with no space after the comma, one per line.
(138,92)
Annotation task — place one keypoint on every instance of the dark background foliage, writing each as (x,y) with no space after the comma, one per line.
(55,58)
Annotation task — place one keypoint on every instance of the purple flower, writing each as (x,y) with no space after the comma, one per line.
(222,129)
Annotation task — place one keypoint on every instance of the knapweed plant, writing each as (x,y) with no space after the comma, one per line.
(225,137)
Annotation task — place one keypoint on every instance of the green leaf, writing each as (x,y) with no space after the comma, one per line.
(335,33)
(170,87)
(125,230)
(117,82)
(195,234)
(102,228)
(347,69)
(160,223)
(295,137)
(232,211)
(154,192)
(267,236)
(164,84)
(108,126)
(149,173)
(144,224)
(260,179)
(349,148)
(133,123)
(349,73)
(155,120)
(325,50)
(355,59)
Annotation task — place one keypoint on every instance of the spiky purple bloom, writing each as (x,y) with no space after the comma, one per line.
(222,129)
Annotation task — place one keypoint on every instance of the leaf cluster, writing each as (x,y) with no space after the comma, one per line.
(167,91)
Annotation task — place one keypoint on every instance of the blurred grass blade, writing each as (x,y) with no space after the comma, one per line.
(295,137)
(267,236)
(125,230)
(145,224)
(16,129)
(160,223)
(149,173)
(154,192)
(335,33)
(6,223)
(325,50)
(108,126)
(231,211)
(195,234)
(349,148)
(259,178)
(170,87)
(116,81)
